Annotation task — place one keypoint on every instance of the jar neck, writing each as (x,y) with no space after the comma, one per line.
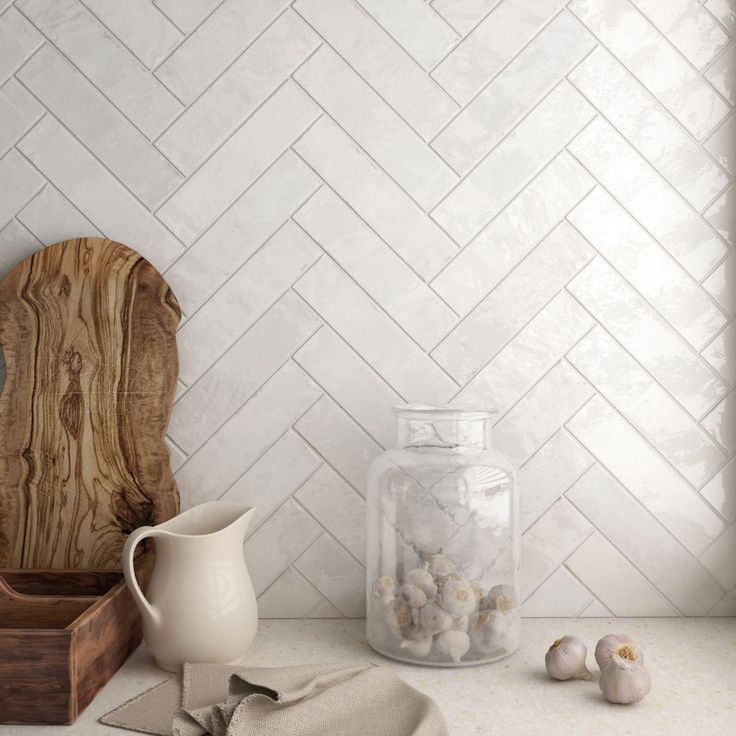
(447,434)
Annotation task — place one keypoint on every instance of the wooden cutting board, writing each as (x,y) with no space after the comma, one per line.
(88,329)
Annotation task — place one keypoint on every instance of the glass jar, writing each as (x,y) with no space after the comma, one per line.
(443,542)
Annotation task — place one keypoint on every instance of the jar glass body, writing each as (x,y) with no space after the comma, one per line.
(443,542)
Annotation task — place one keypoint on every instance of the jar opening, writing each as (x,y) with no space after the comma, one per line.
(445,412)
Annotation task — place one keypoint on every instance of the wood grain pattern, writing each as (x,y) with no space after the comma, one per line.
(88,330)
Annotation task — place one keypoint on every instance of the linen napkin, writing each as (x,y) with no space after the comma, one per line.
(306,700)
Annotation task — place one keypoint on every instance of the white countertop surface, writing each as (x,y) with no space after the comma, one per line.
(692,661)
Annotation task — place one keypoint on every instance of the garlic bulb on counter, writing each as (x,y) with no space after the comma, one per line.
(619,644)
(565,659)
(623,681)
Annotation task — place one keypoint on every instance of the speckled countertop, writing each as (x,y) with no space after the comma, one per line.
(692,661)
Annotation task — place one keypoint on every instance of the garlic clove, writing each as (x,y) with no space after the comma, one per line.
(480,594)
(489,633)
(440,565)
(500,598)
(422,578)
(413,595)
(384,587)
(623,681)
(419,648)
(565,659)
(433,619)
(461,623)
(453,644)
(618,644)
(458,597)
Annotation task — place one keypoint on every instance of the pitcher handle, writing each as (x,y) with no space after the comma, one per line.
(131,543)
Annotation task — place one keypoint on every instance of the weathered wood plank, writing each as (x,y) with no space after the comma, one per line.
(88,329)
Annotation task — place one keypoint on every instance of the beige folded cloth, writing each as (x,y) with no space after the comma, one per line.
(304,700)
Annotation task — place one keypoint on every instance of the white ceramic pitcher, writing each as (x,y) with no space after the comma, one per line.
(200,605)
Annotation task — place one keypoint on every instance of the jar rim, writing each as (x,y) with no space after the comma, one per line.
(445,411)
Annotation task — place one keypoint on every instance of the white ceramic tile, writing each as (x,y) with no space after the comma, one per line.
(419,30)
(376,198)
(655,62)
(521,155)
(278,543)
(690,27)
(16,243)
(519,227)
(719,353)
(18,40)
(463,16)
(51,217)
(139,25)
(636,464)
(596,610)
(727,607)
(720,284)
(561,595)
(724,11)
(232,168)
(495,321)
(289,596)
(615,581)
(721,422)
(90,188)
(720,74)
(186,16)
(242,300)
(720,146)
(325,610)
(19,181)
(649,127)
(221,109)
(340,371)
(255,216)
(720,491)
(549,473)
(243,438)
(720,559)
(721,215)
(528,356)
(277,473)
(537,416)
(649,408)
(648,337)
(632,529)
(102,129)
(105,61)
(338,507)
(215,44)
(340,441)
(376,268)
(241,371)
(177,457)
(490,46)
(337,575)
(386,138)
(18,112)
(549,542)
(648,268)
(383,64)
(520,86)
(387,348)
(649,198)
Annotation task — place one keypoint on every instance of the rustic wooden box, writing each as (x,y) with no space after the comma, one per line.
(63,634)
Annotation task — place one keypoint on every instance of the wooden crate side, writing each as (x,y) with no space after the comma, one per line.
(36,681)
(61,582)
(104,637)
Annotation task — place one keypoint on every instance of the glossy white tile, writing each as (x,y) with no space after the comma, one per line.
(513,234)
(719,559)
(720,491)
(561,595)
(720,146)
(541,65)
(519,157)
(19,181)
(376,198)
(721,215)
(18,40)
(720,284)
(651,340)
(186,16)
(720,353)
(505,311)
(289,596)
(720,423)
(16,243)
(463,16)
(376,268)
(724,11)
(615,581)
(647,476)
(648,197)
(18,112)
(644,542)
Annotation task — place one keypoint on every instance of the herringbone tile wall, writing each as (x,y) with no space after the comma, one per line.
(521,203)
